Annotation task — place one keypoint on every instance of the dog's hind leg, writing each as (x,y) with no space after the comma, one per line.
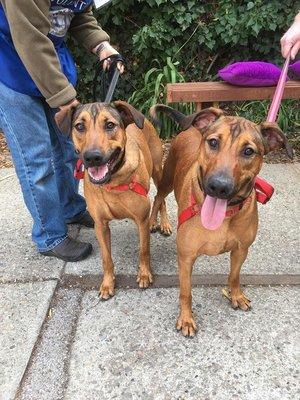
(107,286)
(144,277)
(156,152)
(237,297)
(159,205)
(163,180)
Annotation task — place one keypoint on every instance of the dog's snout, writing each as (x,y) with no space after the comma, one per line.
(93,157)
(220,186)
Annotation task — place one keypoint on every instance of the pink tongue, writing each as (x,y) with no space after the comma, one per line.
(213,212)
(98,173)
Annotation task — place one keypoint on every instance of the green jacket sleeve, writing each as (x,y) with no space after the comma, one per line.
(29,26)
(86,31)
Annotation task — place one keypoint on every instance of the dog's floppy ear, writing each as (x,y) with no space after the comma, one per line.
(129,114)
(274,138)
(64,117)
(201,119)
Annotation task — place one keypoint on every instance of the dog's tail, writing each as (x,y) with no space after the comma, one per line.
(176,115)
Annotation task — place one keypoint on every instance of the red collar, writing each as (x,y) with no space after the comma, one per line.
(263,190)
(134,186)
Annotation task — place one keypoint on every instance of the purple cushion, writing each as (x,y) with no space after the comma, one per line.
(295,69)
(251,73)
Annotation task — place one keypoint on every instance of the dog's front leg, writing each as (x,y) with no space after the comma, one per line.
(107,286)
(144,277)
(186,322)
(238,299)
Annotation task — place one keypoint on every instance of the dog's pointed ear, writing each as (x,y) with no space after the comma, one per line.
(64,118)
(201,119)
(274,138)
(129,114)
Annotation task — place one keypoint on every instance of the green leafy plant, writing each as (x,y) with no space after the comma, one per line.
(288,115)
(202,35)
(154,91)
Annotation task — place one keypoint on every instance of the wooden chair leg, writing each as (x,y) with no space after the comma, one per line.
(198,107)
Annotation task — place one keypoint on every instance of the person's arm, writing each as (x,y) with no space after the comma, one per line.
(86,31)
(290,41)
(29,26)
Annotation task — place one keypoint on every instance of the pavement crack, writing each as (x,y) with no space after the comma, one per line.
(71,344)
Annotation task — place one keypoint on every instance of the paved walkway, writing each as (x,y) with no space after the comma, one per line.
(57,341)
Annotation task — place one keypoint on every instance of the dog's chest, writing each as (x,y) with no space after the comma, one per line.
(218,246)
(113,205)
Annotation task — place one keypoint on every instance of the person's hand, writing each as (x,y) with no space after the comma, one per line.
(290,41)
(105,50)
(64,116)
(72,104)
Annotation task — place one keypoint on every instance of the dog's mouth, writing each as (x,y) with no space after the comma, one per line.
(101,174)
(213,209)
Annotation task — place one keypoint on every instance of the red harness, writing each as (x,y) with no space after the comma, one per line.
(134,186)
(263,190)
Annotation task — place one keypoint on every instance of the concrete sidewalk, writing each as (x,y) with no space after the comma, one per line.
(57,341)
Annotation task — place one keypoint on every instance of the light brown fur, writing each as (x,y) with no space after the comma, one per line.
(189,163)
(142,159)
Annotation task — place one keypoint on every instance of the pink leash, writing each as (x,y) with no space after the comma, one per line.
(273,110)
(272,115)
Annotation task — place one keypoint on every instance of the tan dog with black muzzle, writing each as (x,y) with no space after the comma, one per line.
(121,151)
(214,162)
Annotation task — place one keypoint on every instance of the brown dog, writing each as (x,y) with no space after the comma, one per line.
(121,152)
(213,165)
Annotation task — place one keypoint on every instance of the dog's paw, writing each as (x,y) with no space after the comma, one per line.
(238,300)
(144,279)
(107,290)
(165,228)
(153,226)
(241,301)
(187,326)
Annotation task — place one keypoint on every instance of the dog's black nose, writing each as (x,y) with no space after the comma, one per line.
(93,157)
(220,186)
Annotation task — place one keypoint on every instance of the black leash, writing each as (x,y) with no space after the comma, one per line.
(106,81)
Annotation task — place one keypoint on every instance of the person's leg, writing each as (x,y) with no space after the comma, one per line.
(24,123)
(64,157)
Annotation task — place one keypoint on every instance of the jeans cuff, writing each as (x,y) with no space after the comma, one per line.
(54,244)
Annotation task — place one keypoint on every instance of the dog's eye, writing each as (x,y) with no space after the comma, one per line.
(248,151)
(109,126)
(80,127)
(213,143)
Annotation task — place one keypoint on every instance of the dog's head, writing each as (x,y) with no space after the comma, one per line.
(231,152)
(230,155)
(98,133)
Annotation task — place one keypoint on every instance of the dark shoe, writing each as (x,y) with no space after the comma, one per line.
(70,250)
(83,219)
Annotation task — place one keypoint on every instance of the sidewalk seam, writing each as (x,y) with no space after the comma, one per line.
(37,342)
(71,344)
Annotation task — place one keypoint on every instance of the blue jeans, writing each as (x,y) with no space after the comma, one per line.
(44,160)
